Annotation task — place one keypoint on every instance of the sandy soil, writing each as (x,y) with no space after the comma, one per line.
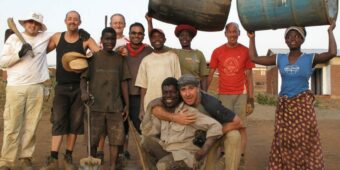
(261,128)
(260,132)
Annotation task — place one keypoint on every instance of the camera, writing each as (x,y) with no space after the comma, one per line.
(200,138)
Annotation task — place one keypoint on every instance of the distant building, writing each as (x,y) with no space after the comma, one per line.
(259,78)
(324,81)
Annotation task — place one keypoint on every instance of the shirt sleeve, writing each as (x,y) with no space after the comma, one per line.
(126,71)
(153,103)
(207,123)
(216,109)
(86,73)
(249,63)
(151,125)
(142,77)
(9,54)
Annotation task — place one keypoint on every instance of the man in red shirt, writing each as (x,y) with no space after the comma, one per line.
(235,82)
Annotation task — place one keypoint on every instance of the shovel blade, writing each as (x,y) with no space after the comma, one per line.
(90,163)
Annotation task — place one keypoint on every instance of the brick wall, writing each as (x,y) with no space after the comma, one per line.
(272,81)
(259,78)
(335,81)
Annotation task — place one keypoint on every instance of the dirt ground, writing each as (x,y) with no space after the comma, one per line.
(260,132)
(261,129)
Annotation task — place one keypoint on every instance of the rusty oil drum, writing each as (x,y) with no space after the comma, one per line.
(205,15)
(272,14)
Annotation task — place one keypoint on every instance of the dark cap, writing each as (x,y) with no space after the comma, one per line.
(188,79)
(156,30)
(189,28)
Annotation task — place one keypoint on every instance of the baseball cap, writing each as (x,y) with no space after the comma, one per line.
(156,30)
(188,79)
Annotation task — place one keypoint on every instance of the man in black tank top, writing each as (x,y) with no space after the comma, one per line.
(67,113)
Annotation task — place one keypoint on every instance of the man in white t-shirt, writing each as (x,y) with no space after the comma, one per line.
(118,24)
(27,69)
(154,68)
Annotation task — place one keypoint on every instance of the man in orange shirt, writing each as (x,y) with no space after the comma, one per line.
(235,80)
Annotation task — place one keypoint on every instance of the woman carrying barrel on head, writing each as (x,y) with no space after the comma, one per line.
(296,143)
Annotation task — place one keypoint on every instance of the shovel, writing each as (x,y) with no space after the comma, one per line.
(89,163)
(139,148)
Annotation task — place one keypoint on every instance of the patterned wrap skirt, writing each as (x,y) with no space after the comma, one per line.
(296,143)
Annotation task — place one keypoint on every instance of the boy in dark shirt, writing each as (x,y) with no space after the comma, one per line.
(107,74)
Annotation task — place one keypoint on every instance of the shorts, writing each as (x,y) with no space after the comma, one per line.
(67,111)
(237,104)
(107,123)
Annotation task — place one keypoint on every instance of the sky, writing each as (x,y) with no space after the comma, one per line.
(93,20)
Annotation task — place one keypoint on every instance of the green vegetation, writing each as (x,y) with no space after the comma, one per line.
(265,99)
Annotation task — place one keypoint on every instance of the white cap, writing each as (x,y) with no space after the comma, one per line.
(300,30)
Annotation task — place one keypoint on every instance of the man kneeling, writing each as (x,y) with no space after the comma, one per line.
(170,144)
(191,94)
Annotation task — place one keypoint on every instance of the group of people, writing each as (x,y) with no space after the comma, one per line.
(162,90)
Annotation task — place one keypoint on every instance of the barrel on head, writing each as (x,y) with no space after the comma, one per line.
(272,14)
(205,15)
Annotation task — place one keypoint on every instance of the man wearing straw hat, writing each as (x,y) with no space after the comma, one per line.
(24,91)
(67,113)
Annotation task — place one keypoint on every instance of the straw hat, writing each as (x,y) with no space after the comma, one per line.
(74,62)
(35,17)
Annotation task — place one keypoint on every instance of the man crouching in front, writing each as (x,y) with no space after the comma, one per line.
(170,145)
(191,94)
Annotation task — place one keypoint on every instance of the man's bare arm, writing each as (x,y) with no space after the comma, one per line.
(125,93)
(52,44)
(141,109)
(210,76)
(92,45)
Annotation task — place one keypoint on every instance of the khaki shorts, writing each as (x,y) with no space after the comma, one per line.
(107,123)
(237,104)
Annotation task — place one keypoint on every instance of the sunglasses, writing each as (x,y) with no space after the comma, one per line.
(136,33)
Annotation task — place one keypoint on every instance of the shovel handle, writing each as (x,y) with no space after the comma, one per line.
(140,152)
(87,109)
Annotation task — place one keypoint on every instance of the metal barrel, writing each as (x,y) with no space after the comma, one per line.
(205,15)
(273,14)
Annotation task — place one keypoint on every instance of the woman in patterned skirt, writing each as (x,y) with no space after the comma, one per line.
(296,143)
